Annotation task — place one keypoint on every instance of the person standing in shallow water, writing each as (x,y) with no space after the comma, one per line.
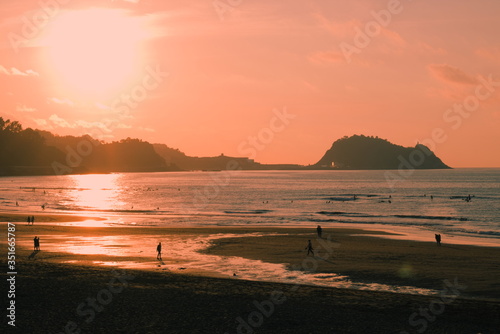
(309,248)
(158,251)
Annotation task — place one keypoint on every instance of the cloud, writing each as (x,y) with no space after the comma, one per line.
(355,44)
(42,122)
(92,125)
(99,105)
(103,127)
(451,74)
(61,101)
(327,57)
(393,38)
(24,108)
(491,54)
(341,29)
(3,70)
(61,122)
(15,71)
(309,85)
(425,48)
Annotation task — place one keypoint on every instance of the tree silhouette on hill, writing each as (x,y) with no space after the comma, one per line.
(20,147)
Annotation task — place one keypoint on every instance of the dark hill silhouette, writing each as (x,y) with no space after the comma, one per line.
(127,155)
(362,152)
(177,159)
(35,152)
(88,155)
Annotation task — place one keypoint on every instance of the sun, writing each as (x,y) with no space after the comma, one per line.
(94,51)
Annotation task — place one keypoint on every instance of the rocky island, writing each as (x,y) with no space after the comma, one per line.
(362,152)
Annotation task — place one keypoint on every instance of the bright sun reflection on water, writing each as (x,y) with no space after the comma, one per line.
(96,191)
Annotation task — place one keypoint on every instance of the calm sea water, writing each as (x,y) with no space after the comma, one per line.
(284,198)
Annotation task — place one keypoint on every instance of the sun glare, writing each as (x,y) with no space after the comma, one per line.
(96,191)
(94,51)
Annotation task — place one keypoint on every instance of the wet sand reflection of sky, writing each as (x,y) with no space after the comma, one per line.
(183,253)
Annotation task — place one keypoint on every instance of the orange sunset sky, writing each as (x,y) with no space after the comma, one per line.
(205,76)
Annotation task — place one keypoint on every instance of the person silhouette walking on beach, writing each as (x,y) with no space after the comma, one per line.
(29,220)
(438,239)
(320,231)
(158,250)
(36,244)
(309,248)
(32,220)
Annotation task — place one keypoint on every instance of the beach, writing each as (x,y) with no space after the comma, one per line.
(242,167)
(456,284)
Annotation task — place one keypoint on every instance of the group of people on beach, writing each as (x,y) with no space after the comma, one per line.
(36,240)
(319,231)
(309,247)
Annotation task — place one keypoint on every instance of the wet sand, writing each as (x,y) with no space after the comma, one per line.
(44,217)
(362,255)
(50,290)
(366,258)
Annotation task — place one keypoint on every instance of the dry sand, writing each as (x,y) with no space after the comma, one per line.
(50,293)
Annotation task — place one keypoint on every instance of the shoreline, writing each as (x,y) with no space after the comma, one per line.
(97,219)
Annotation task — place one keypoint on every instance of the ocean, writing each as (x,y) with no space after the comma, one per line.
(429,201)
